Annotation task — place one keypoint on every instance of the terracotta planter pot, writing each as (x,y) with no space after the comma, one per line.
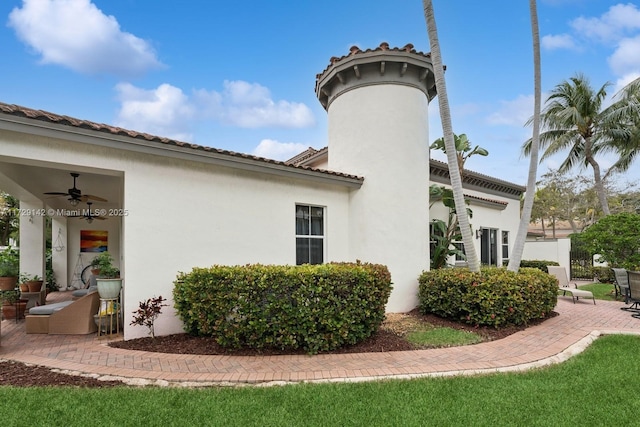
(34,285)
(24,287)
(8,283)
(14,311)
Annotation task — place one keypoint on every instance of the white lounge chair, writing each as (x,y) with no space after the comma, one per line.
(560,273)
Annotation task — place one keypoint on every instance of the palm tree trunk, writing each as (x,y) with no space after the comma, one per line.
(597,178)
(525,217)
(447,131)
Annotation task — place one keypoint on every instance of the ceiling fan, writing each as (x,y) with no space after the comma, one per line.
(87,214)
(75,195)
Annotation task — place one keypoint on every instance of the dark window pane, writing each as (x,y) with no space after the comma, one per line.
(505,251)
(316,255)
(317,228)
(302,251)
(505,237)
(302,220)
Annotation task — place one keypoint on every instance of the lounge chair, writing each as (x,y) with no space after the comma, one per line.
(634,293)
(622,283)
(560,273)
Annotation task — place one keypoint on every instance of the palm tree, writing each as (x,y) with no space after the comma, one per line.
(525,218)
(628,149)
(463,149)
(574,120)
(447,132)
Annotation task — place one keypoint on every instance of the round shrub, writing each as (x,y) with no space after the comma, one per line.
(493,297)
(310,307)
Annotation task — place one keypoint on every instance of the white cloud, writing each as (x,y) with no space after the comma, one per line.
(560,41)
(167,111)
(626,58)
(249,105)
(77,35)
(624,80)
(272,149)
(515,112)
(618,29)
(164,111)
(619,20)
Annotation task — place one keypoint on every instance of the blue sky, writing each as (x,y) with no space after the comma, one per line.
(240,75)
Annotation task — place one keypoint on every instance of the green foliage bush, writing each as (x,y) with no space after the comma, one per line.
(9,263)
(615,239)
(310,307)
(494,296)
(539,264)
(603,274)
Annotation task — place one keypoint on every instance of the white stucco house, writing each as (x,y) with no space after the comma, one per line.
(172,206)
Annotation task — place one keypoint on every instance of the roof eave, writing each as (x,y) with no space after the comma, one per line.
(188,152)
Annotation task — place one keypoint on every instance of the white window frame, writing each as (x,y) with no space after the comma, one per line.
(504,246)
(321,237)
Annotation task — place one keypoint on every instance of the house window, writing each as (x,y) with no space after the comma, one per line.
(460,246)
(309,234)
(489,246)
(505,246)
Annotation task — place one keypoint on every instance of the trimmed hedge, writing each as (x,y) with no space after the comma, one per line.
(310,307)
(539,264)
(494,296)
(535,263)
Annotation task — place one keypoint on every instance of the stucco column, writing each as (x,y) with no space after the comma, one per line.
(377,105)
(59,251)
(32,238)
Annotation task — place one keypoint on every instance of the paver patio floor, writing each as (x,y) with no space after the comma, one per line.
(553,341)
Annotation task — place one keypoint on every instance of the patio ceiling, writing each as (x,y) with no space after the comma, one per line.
(29,182)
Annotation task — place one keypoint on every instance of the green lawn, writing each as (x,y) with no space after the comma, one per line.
(442,337)
(603,291)
(595,388)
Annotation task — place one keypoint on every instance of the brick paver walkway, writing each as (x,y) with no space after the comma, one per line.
(553,341)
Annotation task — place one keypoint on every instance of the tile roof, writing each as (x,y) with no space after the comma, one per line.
(306,155)
(438,170)
(384,46)
(29,113)
(441,170)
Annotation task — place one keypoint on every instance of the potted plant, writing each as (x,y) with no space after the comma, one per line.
(109,281)
(22,282)
(32,283)
(12,306)
(9,269)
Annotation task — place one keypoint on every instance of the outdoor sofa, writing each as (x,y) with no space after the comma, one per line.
(67,317)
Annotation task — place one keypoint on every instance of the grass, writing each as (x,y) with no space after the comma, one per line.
(595,388)
(442,337)
(603,291)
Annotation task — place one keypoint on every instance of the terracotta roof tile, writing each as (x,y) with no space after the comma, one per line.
(19,111)
(306,154)
(384,46)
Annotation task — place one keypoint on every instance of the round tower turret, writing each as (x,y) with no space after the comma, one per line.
(377,105)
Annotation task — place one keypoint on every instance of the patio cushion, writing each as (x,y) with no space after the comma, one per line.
(82,292)
(48,309)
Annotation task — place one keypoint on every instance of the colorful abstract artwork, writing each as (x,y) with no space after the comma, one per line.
(94,240)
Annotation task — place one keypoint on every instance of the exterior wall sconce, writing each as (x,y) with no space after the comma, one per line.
(478,233)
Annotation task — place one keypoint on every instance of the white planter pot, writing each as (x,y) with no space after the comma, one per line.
(109,288)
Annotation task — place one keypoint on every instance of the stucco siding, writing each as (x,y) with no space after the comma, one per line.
(182,214)
(386,142)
